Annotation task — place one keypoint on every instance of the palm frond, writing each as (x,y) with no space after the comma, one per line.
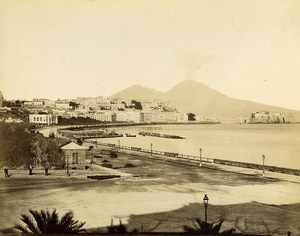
(28,221)
(188,229)
(39,220)
(53,221)
(21,228)
(46,222)
(66,222)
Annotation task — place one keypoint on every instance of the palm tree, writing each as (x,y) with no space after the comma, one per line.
(204,228)
(47,222)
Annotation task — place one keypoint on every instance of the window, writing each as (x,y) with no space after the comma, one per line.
(75,158)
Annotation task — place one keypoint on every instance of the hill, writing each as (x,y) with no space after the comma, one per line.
(138,92)
(191,96)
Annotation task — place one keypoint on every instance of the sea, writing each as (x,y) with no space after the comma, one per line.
(279,143)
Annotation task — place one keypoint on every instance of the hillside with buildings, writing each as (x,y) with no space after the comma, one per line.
(191,96)
(187,101)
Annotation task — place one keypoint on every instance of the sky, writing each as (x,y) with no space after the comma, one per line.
(66,49)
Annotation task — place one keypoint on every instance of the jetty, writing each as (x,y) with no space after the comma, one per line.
(160,135)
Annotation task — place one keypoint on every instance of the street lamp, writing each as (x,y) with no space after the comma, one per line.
(263,167)
(151,148)
(119,143)
(200,163)
(205,201)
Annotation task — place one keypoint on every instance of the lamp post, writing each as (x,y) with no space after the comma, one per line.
(263,167)
(200,163)
(151,148)
(205,201)
(119,143)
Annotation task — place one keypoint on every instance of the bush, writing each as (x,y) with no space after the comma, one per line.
(113,155)
(107,165)
(129,165)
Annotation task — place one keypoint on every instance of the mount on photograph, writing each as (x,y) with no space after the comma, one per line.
(195,97)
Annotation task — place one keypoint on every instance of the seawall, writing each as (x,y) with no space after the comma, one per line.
(258,167)
(203,159)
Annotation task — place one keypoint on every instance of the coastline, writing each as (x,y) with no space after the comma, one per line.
(195,160)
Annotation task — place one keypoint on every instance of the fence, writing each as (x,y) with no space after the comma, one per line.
(154,152)
(203,159)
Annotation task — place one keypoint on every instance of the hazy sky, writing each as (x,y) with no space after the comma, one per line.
(68,48)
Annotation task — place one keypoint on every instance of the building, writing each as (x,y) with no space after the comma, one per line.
(270,117)
(104,116)
(13,120)
(128,116)
(74,155)
(43,119)
(153,117)
(63,105)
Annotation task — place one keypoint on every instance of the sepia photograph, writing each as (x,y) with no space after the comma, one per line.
(147,117)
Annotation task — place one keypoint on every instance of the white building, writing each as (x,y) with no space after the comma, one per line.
(43,119)
(63,105)
(128,116)
(105,116)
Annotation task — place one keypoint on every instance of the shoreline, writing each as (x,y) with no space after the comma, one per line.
(196,159)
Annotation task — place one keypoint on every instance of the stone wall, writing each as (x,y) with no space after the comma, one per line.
(258,167)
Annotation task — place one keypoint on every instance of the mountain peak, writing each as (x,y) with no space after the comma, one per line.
(192,96)
(138,92)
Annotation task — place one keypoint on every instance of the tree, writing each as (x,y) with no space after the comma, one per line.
(117,229)
(15,144)
(191,117)
(51,135)
(137,105)
(39,149)
(47,222)
(204,228)
(79,141)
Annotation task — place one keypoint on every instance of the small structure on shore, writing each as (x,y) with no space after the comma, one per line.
(75,155)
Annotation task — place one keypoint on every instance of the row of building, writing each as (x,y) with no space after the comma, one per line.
(134,116)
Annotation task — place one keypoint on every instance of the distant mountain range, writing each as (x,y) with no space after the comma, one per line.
(195,97)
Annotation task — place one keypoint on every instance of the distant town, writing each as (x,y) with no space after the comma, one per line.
(48,112)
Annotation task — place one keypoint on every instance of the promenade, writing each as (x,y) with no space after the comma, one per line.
(155,188)
(205,162)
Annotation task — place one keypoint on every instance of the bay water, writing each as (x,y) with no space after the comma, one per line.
(280,143)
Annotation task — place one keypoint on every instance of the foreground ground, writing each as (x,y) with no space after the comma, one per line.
(154,195)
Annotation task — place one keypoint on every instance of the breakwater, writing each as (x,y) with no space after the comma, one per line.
(200,160)
(160,135)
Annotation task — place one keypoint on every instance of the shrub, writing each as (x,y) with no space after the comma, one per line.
(113,155)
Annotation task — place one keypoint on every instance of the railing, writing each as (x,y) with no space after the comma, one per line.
(154,152)
(197,158)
